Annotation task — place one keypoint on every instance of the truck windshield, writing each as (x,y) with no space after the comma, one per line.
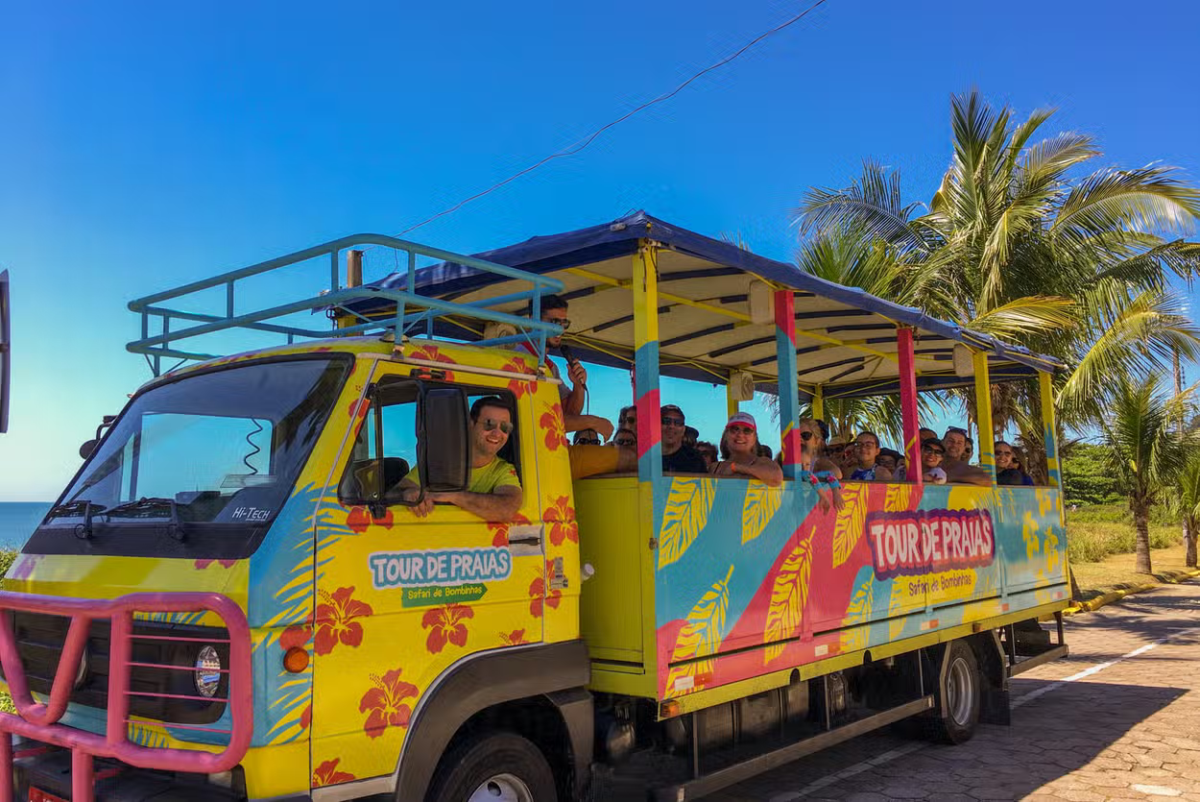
(221,448)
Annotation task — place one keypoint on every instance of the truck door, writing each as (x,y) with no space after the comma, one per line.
(404,598)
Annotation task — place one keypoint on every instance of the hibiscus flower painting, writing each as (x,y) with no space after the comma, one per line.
(335,620)
(385,703)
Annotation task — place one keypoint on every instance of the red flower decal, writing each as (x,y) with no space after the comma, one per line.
(446,624)
(335,620)
(500,529)
(561,520)
(297,635)
(358,408)
(327,774)
(202,564)
(430,353)
(359,518)
(384,704)
(306,717)
(556,430)
(519,387)
(514,638)
(538,595)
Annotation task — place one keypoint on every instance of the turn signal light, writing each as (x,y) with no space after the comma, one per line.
(295,659)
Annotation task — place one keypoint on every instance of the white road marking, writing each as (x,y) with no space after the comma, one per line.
(894,754)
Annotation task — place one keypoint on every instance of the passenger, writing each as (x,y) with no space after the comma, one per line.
(625,437)
(812,446)
(493,489)
(708,452)
(924,434)
(691,436)
(627,418)
(889,459)
(676,457)
(586,437)
(866,467)
(932,454)
(764,450)
(1008,470)
(555,310)
(739,450)
(958,470)
(969,451)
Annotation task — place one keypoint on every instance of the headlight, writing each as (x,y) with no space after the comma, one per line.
(208,671)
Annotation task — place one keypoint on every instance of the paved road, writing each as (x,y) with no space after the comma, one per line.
(1118,720)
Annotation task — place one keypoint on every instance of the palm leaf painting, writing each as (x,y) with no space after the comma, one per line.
(858,614)
(686,514)
(701,636)
(851,522)
(760,506)
(899,497)
(788,596)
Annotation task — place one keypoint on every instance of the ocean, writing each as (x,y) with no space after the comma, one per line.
(18,519)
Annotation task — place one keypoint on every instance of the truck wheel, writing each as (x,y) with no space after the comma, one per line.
(959,693)
(496,767)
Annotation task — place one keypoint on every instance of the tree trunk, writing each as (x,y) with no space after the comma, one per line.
(1191,527)
(1141,520)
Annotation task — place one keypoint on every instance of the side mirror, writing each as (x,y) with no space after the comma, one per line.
(446,447)
(87,448)
(5,371)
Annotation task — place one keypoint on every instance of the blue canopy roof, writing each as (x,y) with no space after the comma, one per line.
(845,336)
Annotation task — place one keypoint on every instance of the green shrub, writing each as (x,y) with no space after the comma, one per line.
(1092,541)
(6,560)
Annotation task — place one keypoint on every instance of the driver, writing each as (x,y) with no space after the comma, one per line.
(494,489)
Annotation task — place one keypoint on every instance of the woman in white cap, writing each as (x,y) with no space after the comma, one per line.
(739,450)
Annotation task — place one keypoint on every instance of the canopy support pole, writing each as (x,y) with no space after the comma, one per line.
(983,414)
(818,398)
(645,376)
(908,406)
(1049,429)
(731,403)
(789,391)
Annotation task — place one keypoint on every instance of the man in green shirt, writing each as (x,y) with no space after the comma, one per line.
(494,489)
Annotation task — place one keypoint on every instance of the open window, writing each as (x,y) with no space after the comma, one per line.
(412,429)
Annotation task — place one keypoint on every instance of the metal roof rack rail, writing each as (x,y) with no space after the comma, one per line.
(409,309)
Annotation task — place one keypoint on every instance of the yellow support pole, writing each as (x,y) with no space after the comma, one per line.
(818,403)
(1049,429)
(731,403)
(983,414)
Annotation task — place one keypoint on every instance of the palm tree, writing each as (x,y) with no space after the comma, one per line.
(1146,451)
(1185,503)
(1012,245)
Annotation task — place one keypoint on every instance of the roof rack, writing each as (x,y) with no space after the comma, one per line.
(410,309)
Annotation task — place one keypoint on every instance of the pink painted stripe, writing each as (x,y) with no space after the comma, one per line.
(648,423)
(791,447)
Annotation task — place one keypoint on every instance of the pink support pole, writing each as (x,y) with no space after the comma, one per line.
(6,767)
(83,781)
(908,405)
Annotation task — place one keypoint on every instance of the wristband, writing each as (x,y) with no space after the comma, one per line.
(828,478)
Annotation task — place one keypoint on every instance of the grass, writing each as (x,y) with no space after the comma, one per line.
(1095,533)
(1116,572)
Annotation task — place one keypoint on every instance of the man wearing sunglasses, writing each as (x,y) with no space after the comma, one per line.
(957,469)
(494,489)
(677,457)
(556,310)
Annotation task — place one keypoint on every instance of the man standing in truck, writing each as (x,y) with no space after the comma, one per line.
(494,489)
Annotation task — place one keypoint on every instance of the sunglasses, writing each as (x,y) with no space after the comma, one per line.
(587,441)
(490,425)
(558,321)
(667,420)
(746,430)
(806,436)
(624,441)
(929,450)
(957,430)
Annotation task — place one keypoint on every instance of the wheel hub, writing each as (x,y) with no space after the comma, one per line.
(502,788)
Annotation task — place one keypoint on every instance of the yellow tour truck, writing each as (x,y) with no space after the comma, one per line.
(365,561)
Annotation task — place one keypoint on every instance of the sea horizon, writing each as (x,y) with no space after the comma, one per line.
(18,519)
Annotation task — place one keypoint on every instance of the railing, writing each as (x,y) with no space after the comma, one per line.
(40,721)
(410,309)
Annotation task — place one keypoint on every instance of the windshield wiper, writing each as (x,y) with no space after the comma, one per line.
(72,509)
(139,509)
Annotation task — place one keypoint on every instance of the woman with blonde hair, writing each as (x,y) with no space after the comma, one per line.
(739,452)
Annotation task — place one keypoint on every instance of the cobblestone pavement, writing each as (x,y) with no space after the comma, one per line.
(1128,729)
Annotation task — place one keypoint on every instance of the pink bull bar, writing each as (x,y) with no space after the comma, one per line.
(39,722)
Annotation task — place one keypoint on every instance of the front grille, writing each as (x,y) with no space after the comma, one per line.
(167,669)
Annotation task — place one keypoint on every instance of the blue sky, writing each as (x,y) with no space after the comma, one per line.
(143,145)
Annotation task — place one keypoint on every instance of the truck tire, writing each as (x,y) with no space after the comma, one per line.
(494,767)
(959,694)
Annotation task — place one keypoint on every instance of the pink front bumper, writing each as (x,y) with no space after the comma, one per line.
(39,722)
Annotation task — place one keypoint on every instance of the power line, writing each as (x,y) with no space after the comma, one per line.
(576,148)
